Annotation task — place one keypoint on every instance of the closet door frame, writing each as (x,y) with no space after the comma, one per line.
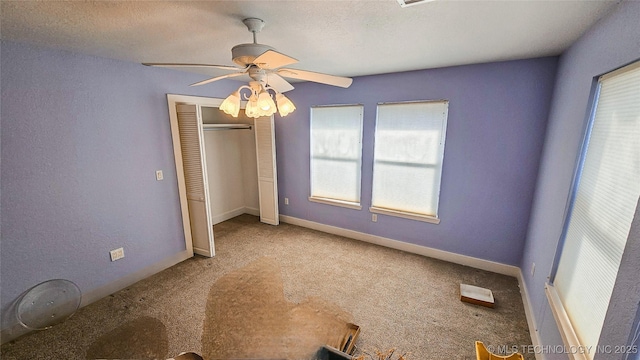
(172,100)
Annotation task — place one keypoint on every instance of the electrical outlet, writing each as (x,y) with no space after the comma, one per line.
(533,268)
(117,254)
(159,175)
(286,201)
(374,217)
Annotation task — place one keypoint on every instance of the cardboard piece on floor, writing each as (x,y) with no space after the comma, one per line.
(331,353)
(347,345)
(476,295)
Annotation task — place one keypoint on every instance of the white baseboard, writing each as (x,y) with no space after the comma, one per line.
(233,213)
(408,247)
(252,211)
(487,265)
(530,315)
(216,219)
(15,330)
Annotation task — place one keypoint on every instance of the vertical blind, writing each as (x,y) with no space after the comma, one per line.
(336,149)
(604,201)
(409,147)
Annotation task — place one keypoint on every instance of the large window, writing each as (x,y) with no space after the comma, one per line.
(605,195)
(336,149)
(409,148)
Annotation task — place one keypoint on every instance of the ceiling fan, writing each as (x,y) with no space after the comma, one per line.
(264,65)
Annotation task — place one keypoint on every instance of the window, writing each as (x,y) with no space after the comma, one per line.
(606,191)
(409,148)
(336,154)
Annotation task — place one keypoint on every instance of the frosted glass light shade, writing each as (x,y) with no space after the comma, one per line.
(269,112)
(260,103)
(231,105)
(285,106)
(252,109)
(265,102)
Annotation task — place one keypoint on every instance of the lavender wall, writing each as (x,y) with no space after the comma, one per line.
(497,120)
(81,140)
(611,43)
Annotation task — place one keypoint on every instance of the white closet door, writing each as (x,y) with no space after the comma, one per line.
(267,175)
(195,175)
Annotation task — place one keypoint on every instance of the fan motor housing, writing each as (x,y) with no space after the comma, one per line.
(245,54)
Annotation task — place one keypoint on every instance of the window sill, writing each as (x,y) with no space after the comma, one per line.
(334,202)
(567,333)
(406,215)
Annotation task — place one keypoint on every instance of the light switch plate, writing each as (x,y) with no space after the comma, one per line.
(159,175)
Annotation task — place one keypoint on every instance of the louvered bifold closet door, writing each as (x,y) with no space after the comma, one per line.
(195,176)
(267,175)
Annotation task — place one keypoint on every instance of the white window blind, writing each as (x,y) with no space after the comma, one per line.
(336,149)
(604,201)
(409,148)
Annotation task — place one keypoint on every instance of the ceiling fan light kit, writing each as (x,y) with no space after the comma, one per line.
(260,103)
(264,65)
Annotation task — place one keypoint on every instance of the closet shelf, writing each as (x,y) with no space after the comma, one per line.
(225,126)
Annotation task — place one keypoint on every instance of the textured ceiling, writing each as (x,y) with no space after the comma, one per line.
(347,38)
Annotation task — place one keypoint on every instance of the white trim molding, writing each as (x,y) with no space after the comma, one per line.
(569,336)
(408,247)
(530,315)
(217,219)
(465,260)
(335,202)
(172,101)
(404,214)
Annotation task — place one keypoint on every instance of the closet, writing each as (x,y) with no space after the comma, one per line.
(225,167)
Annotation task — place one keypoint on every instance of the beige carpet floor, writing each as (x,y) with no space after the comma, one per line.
(281,291)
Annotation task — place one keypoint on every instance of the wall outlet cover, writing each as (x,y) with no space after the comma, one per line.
(116,254)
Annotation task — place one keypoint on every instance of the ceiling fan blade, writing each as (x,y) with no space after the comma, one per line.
(272,59)
(277,82)
(218,78)
(340,81)
(224,67)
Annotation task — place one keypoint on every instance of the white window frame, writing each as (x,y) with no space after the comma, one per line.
(335,201)
(433,219)
(566,327)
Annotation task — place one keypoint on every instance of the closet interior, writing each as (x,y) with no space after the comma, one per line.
(231,163)
(225,167)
